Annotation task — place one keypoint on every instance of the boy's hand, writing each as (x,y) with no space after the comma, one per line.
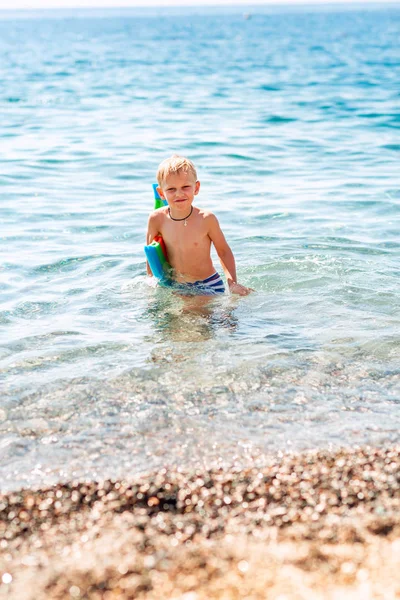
(237,288)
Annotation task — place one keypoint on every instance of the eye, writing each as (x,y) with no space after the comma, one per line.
(170,189)
(186,187)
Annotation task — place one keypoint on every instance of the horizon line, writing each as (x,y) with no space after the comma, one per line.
(208,4)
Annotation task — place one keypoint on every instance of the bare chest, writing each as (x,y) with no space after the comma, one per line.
(179,236)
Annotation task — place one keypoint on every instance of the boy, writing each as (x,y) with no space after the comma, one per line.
(188,232)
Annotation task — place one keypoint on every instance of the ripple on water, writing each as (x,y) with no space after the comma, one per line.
(293,126)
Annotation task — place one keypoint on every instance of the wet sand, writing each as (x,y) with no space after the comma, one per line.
(320,525)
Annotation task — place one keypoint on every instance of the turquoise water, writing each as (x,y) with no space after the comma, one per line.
(293,119)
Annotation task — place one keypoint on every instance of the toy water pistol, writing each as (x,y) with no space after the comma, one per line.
(156,252)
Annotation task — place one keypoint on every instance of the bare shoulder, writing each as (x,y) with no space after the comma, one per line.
(158,215)
(207,215)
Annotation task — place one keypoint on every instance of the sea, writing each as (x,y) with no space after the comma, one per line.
(292,117)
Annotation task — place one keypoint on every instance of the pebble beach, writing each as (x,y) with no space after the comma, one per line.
(317,525)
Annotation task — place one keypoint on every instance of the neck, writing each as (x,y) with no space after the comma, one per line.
(180,216)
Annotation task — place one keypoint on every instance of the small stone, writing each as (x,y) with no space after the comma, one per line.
(243,566)
(74,591)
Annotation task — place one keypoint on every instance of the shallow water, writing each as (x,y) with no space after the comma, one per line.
(292,118)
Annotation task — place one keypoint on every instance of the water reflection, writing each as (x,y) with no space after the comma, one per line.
(190,318)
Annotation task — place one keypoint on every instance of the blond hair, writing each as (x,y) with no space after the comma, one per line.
(175,164)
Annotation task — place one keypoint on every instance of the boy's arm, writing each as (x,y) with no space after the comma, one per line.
(152,231)
(226,257)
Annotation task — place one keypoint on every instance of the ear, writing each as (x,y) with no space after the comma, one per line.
(197,188)
(160,192)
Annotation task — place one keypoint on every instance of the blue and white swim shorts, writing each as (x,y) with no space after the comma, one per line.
(210,286)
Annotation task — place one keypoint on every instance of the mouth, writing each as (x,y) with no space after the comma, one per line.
(181,200)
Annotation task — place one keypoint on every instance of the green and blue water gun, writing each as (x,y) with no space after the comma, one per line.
(156,252)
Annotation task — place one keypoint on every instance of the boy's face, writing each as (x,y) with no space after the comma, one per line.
(179,190)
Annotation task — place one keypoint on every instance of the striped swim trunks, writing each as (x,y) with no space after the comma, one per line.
(207,287)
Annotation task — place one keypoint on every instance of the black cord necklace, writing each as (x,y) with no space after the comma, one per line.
(184,218)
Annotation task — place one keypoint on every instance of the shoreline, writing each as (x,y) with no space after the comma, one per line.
(317,525)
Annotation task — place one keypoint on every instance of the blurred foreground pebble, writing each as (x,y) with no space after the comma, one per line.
(318,525)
